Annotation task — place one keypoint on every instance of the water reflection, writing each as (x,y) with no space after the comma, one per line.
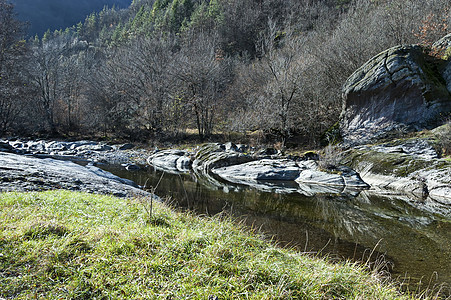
(417,243)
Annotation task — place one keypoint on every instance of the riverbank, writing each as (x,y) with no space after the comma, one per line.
(64,244)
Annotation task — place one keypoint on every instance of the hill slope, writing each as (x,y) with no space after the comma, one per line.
(56,14)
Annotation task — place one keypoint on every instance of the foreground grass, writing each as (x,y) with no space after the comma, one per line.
(61,245)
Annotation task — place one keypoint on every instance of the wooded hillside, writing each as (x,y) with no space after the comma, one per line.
(159,67)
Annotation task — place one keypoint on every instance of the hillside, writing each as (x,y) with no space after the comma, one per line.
(163,70)
(55,14)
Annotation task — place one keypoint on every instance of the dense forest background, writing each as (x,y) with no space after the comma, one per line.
(158,67)
(56,14)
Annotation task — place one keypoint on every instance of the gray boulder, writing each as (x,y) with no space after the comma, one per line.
(125,147)
(265,169)
(230,146)
(75,145)
(171,160)
(212,156)
(341,176)
(55,146)
(401,88)
(95,147)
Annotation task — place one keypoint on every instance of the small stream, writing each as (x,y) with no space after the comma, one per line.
(414,243)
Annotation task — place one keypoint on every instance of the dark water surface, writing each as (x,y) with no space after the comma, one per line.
(415,243)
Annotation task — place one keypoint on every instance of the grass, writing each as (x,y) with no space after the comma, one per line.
(70,245)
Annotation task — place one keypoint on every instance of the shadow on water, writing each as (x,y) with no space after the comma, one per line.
(415,243)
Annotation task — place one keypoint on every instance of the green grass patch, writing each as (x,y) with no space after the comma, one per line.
(70,245)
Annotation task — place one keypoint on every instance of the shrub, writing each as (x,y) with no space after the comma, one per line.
(443,135)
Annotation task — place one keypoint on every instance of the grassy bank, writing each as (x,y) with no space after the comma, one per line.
(66,245)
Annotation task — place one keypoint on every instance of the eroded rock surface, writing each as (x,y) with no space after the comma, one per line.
(212,156)
(421,148)
(171,160)
(265,169)
(276,174)
(77,151)
(25,173)
(399,89)
(340,176)
(423,178)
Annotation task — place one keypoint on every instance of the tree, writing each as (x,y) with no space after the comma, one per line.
(203,75)
(276,94)
(135,85)
(12,56)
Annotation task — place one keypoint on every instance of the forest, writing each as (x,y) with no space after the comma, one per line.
(41,15)
(169,69)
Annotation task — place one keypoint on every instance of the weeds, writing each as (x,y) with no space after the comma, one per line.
(330,158)
(444,138)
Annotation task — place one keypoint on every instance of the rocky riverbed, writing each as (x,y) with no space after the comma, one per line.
(410,166)
(43,165)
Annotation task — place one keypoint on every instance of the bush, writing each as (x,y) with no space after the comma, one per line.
(443,135)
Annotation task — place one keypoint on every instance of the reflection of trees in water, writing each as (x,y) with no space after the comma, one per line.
(348,227)
(343,219)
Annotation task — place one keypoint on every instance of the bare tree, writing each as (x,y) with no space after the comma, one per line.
(46,75)
(276,98)
(137,77)
(203,74)
(12,55)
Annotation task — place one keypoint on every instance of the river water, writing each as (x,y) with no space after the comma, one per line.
(402,237)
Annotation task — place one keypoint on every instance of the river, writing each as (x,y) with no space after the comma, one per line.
(386,231)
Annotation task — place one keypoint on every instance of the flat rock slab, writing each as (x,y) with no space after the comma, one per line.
(25,173)
(265,169)
(415,147)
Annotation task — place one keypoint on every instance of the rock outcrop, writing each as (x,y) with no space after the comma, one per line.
(408,166)
(340,176)
(171,160)
(400,89)
(84,151)
(279,174)
(265,169)
(212,156)
(25,173)
(220,165)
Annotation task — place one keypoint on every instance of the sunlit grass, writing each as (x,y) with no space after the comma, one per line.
(67,245)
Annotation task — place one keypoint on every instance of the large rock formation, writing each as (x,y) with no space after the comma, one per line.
(25,173)
(212,156)
(83,151)
(411,166)
(401,88)
(264,169)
